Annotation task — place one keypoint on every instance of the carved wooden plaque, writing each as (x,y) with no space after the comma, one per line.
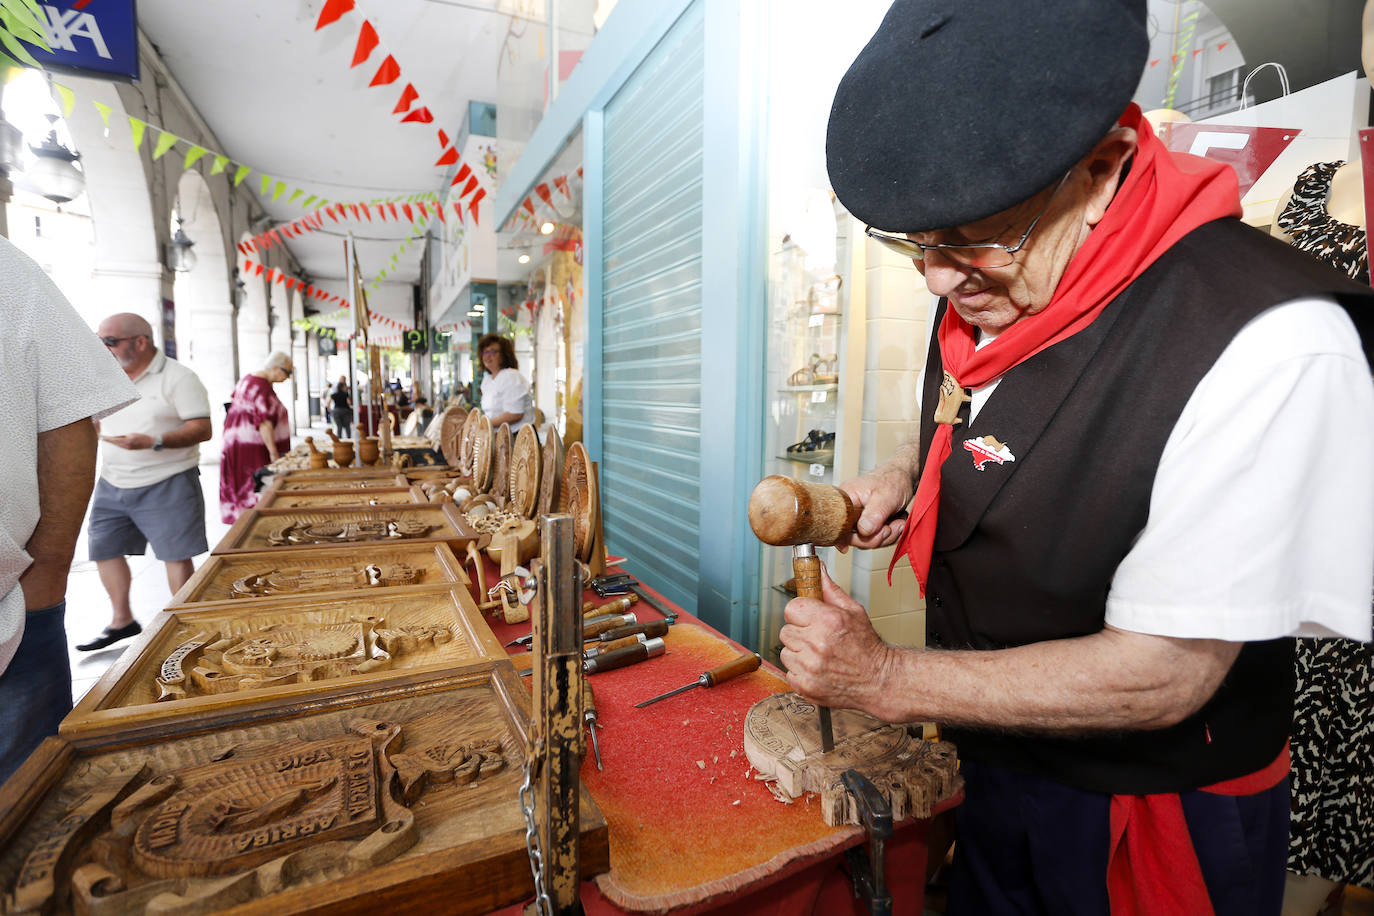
(360,529)
(501,448)
(782,739)
(580,498)
(337,479)
(306,573)
(316,498)
(466,438)
(551,474)
(524,472)
(481,454)
(210,662)
(374,806)
(450,434)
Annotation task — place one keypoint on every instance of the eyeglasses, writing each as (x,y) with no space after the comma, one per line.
(977,254)
(116,341)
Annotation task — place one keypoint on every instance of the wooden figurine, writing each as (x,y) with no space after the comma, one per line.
(782,739)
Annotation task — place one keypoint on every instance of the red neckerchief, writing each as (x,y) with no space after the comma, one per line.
(1165,196)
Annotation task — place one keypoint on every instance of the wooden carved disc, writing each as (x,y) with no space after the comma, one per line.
(782,739)
(451,434)
(552,477)
(481,454)
(580,498)
(524,472)
(465,440)
(502,445)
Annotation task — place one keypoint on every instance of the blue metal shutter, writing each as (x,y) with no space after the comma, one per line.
(651,315)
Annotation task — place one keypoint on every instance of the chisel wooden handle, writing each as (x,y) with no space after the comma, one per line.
(601,648)
(618,606)
(807,571)
(651,629)
(608,623)
(731,669)
(622,657)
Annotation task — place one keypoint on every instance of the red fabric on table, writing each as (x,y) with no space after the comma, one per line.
(676,833)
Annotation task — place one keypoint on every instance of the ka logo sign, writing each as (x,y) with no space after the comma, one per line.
(61,27)
(1249,150)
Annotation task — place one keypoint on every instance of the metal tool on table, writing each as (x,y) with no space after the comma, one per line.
(718,675)
(598,625)
(589,717)
(651,629)
(592,650)
(616,606)
(792,513)
(627,655)
(866,867)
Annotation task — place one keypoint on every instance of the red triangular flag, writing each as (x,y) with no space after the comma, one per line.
(381,211)
(331,215)
(410,214)
(333,9)
(528,205)
(1222,45)
(259,270)
(458,210)
(408,97)
(561,183)
(472,204)
(388,73)
(443,137)
(449,157)
(463,173)
(467,189)
(354,209)
(367,43)
(420,115)
(247,265)
(1197,51)
(291,283)
(394,215)
(367,212)
(440,211)
(543,191)
(1155,61)
(271,275)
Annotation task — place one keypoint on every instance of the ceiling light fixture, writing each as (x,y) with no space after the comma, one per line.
(180,257)
(523,259)
(547,228)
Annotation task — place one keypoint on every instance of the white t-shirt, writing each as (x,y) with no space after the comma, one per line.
(169,395)
(508,392)
(1262,512)
(53,371)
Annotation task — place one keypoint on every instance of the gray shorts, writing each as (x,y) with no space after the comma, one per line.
(169,514)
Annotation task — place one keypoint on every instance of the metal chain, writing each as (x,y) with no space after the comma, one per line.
(542,904)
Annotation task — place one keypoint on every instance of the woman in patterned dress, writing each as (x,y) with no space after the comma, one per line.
(256,431)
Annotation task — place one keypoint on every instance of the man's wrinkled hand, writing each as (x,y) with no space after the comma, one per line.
(832,653)
(132,441)
(883,493)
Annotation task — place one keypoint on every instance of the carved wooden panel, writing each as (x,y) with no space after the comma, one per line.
(316,498)
(782,739)
(524,472)
(580,498)
(481,454)
(388,804)
(466,438)
(304,573)
(501,448)
(211,662)
(551,475)
(360,529)
(450,434)
(337,479)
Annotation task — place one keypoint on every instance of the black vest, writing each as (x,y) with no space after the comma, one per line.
(1025,551)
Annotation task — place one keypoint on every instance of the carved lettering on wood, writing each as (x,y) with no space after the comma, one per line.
(295,579)
(344,532)
(782,740)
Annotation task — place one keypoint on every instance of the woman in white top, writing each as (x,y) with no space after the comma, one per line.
(505,393)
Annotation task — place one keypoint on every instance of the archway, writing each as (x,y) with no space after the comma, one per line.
(203,304)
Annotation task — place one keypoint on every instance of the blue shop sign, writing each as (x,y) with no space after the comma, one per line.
(97,38)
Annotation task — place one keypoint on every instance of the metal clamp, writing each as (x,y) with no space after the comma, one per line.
(865,866)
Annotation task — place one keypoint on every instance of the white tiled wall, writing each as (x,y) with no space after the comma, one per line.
(897,309)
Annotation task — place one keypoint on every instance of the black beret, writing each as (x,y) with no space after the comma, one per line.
(958,109)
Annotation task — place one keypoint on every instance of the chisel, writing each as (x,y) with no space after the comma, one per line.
(651,629)
(718,675)
(653,648)
(615,606)
(589,717)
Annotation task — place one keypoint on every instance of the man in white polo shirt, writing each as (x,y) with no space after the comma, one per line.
(149,486)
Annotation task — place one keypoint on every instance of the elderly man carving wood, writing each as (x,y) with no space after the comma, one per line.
(1125,498)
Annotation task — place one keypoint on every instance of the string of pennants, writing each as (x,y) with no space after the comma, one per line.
(527,213)
(409,106)
(1185,54)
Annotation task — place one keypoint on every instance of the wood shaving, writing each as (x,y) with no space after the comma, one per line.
(778,793)
(701,764)
(735,802)
(732,754)
(715,758)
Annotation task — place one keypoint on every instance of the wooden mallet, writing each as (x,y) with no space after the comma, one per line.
(791,513)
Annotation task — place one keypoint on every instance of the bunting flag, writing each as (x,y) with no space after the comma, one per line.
(472,204)
(68,99)
(193,156)
(408,97)
(164,142)
(104,113)
(543,191)
(219,164)
(420,115)
(367,43)
(443,138)
(333,9)
(561,183)
(388,73)
(240,174)
(266,183)
(469,187)
(449,157)
(137,127)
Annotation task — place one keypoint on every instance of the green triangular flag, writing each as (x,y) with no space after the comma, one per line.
(136,127)
(294,194)
(277,191)
(164,142)
(266,183)
(220,163)
(193,155)
(305,204)
(68,99)
(240,174)
(104,113)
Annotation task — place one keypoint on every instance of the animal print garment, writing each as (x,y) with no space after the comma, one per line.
(1333,762)
(1314,231)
